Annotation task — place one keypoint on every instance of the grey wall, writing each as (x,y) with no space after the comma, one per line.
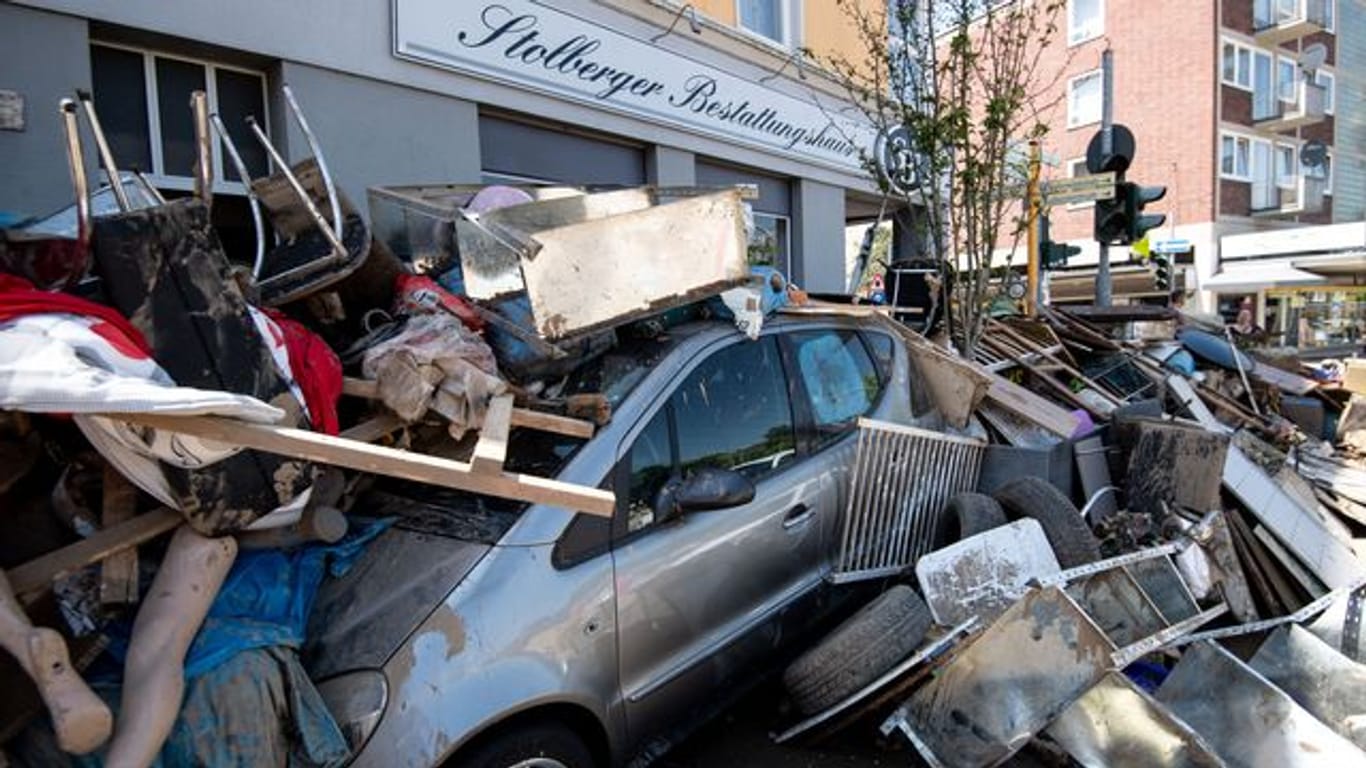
(1349,145)
(818,236)
(373,133)
(668,167)
(45,57)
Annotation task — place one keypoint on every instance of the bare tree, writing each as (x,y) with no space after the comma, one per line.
(955,89)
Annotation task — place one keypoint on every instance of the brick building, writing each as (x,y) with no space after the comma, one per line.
(1223,97)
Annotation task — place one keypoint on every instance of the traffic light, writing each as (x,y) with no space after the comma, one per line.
(1135,198)
(1053,255)
(1162,271)
(1112,218)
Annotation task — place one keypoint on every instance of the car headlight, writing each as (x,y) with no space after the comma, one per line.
(357,701)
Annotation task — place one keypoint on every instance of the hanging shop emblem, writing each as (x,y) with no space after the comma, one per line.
(895,160)
(551,51)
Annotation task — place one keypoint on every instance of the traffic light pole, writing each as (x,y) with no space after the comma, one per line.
(1032,200)
(1107,145)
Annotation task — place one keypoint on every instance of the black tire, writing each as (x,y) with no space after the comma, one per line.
(1067,531)
(967,514)
(546,740)
(860,650)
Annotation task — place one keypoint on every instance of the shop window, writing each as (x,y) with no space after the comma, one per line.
(769,244)
(1085,20)
(143,98)
(1084,99)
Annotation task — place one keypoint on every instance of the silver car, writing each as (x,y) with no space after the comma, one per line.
(478,632)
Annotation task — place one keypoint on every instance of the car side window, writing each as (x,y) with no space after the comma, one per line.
(883,349)
(839,377)
(652,463)
(733,412)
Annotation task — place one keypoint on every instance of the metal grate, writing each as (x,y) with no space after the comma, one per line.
(902,479)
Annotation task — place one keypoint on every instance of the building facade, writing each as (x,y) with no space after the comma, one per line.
(592,92)
(1249,112)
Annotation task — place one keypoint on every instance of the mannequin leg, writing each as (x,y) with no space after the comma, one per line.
(154,674)
(81,721)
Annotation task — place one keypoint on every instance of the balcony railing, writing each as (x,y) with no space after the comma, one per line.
(1304,196)
(1276,21)
(1310,106)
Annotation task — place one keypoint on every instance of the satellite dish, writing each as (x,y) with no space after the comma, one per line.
(1314,154)
(1313,57)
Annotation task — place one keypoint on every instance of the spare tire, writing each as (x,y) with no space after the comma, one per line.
(860,650)
(967,514)
(1067,531)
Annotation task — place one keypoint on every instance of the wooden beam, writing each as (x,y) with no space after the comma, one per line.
(373,429)
(31,578)
(379,460)
(119,572)
(492,448)
(521,417)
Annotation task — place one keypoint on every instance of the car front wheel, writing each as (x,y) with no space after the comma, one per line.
(537,745)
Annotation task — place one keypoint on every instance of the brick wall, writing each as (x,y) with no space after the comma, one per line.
(1235,197)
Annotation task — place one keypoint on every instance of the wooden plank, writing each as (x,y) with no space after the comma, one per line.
(1186,396)
(1022,402)
(31,578)
(379,460)
(373,429)
(521,417)
(1033,346)
(119,572)
(956,384)
(492,448)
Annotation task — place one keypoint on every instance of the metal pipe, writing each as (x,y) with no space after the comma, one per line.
(339,250)
(203,170)
(147,185)
(75,159)
(317,151)
(252,201)
(106,156)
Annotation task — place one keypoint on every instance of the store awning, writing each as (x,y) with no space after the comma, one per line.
(1350,263)
(1259,275)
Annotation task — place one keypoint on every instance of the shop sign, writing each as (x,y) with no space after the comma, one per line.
(555,52)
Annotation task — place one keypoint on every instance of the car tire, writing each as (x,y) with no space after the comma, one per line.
(1066,530)
(858,651)
(546,744)
(967,514)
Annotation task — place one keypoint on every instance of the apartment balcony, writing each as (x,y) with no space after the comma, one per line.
(1276,21)
(1272,114)
(1304,196)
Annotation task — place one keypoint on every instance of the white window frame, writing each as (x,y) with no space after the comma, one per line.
(788,15)
(156,174)
(1076,35)
(1294,95)
(1073,165)
(1332,17)
(1234,175)
(1330,99)
(1282,181)
(1327,176)
(1074,121)
(1242,64)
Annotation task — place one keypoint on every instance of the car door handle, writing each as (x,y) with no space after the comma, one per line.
(798,515)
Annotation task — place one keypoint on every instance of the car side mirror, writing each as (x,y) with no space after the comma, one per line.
(705,489)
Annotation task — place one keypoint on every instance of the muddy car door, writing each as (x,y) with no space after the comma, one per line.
(699,593)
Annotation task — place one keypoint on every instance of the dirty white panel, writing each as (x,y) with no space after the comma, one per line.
(983,574)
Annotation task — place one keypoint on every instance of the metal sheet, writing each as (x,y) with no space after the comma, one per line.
(1247,720)
(1022,672)
(982,575)
(1117,725)
(1162,583)
(1329,685)
(1118,606)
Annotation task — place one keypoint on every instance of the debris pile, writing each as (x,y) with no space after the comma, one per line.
(1153,561)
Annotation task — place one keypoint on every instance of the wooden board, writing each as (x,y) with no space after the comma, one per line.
(492,448)
(1022,402)
(353,454)
(31,578)
(119,572)
(521,417)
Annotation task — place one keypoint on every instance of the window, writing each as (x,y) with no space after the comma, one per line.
(1287,79)
(1263,87)
(733,412)
(1324,172)
(770,18)
(1084,99)
(1085,20)
(1286,172)
(839,378)
(144,103)
(1329,84)
(652,462)
(1330,15)
(884,352)
(1234,157)
(768,242)
(1076,168)
(1237,65)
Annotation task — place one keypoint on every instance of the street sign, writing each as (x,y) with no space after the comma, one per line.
(1082,189)
(1171,245)
(1122,146)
